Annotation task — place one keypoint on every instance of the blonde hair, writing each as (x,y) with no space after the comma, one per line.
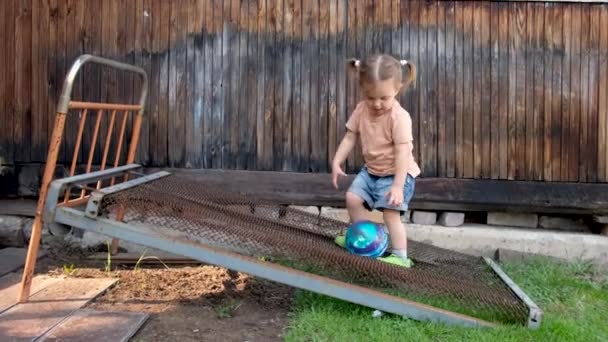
(381,68)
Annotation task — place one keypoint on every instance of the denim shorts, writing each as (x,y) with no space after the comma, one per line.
(373,189)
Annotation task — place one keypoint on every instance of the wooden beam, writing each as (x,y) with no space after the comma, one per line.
(292,188)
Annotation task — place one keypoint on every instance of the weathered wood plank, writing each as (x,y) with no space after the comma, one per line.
(529,112)
(193,113)
(565,92)
(477,82)
(431,193)
(10,283)
(495,96)
(92,325)
(450,79)
(22,124)
(468,83)
(332,119)
(315,103)
(459,86)
(514,40)
(520,90)
(585,151)
(539,91)
(504,96)
(547,60)
(321,136)
(7,97)
(576,81)
(557,109)
(298,77)
(143,58)
(486,86)
(48,307)
(590,153)
(442,86)
(73,49)
(351,79)
(219,55)
(413,94)
(342,89)
(429,110)
(40,51)
(602,147)
(270,70)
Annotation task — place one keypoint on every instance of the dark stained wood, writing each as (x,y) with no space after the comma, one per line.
(351,80)
(7,97)
(593,49)
(565,93)
(539,91)
(459,87)
(332,119)
(506,90)
(468,107)
(602,147)
(504,96)
(442,86)
(321,164)
(495,97)
(217,109)
(584,98)
(450,79)
(431,193)
(252,70)
(557,109)
(413,93)
(193,73)
(22,123)
(143,58)
(575,101)
(547,60)
(477,81)
(529,114)
(520,91)
(287,86)
(486,98)
(298,76)
(40,51)
(429,110)
(230,67)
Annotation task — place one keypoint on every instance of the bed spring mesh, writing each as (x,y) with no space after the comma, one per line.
(186,207)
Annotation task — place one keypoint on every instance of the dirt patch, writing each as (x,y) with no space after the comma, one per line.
(190,303)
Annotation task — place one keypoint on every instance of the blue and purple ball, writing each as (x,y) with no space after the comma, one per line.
(366,238)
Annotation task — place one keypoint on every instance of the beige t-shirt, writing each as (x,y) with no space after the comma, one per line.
(380,134)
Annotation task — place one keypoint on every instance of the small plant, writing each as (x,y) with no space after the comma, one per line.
(109,261)
(227,310)
(68,270)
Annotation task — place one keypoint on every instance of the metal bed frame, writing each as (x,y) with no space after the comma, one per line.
(82,211)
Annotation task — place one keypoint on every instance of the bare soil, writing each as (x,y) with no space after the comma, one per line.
(186,303)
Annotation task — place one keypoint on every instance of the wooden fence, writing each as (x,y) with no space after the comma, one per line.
(506,90)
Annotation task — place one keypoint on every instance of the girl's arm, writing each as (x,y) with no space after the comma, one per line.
(401,161)
(347,145)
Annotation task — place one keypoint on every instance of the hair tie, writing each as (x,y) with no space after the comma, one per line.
(403,62)
(357,63)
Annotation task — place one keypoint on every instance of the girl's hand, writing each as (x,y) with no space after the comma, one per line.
(395,196)
(336,171)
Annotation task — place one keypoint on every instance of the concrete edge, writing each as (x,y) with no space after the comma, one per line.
(483,240)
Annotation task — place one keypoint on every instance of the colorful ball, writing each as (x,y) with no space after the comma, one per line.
(366,238)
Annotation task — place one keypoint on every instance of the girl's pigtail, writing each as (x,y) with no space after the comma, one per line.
(354,64)
(410,74)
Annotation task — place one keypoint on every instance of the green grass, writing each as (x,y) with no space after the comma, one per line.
(574,299)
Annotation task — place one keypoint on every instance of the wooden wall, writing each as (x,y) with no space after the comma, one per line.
(506,90)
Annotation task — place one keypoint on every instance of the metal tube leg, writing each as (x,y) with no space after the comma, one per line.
(34,245)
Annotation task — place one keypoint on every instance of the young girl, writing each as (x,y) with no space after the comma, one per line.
(387,180)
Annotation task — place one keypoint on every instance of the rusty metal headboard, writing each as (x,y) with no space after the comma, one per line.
(65,104)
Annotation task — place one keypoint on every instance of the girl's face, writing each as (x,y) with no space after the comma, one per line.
(380,96)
